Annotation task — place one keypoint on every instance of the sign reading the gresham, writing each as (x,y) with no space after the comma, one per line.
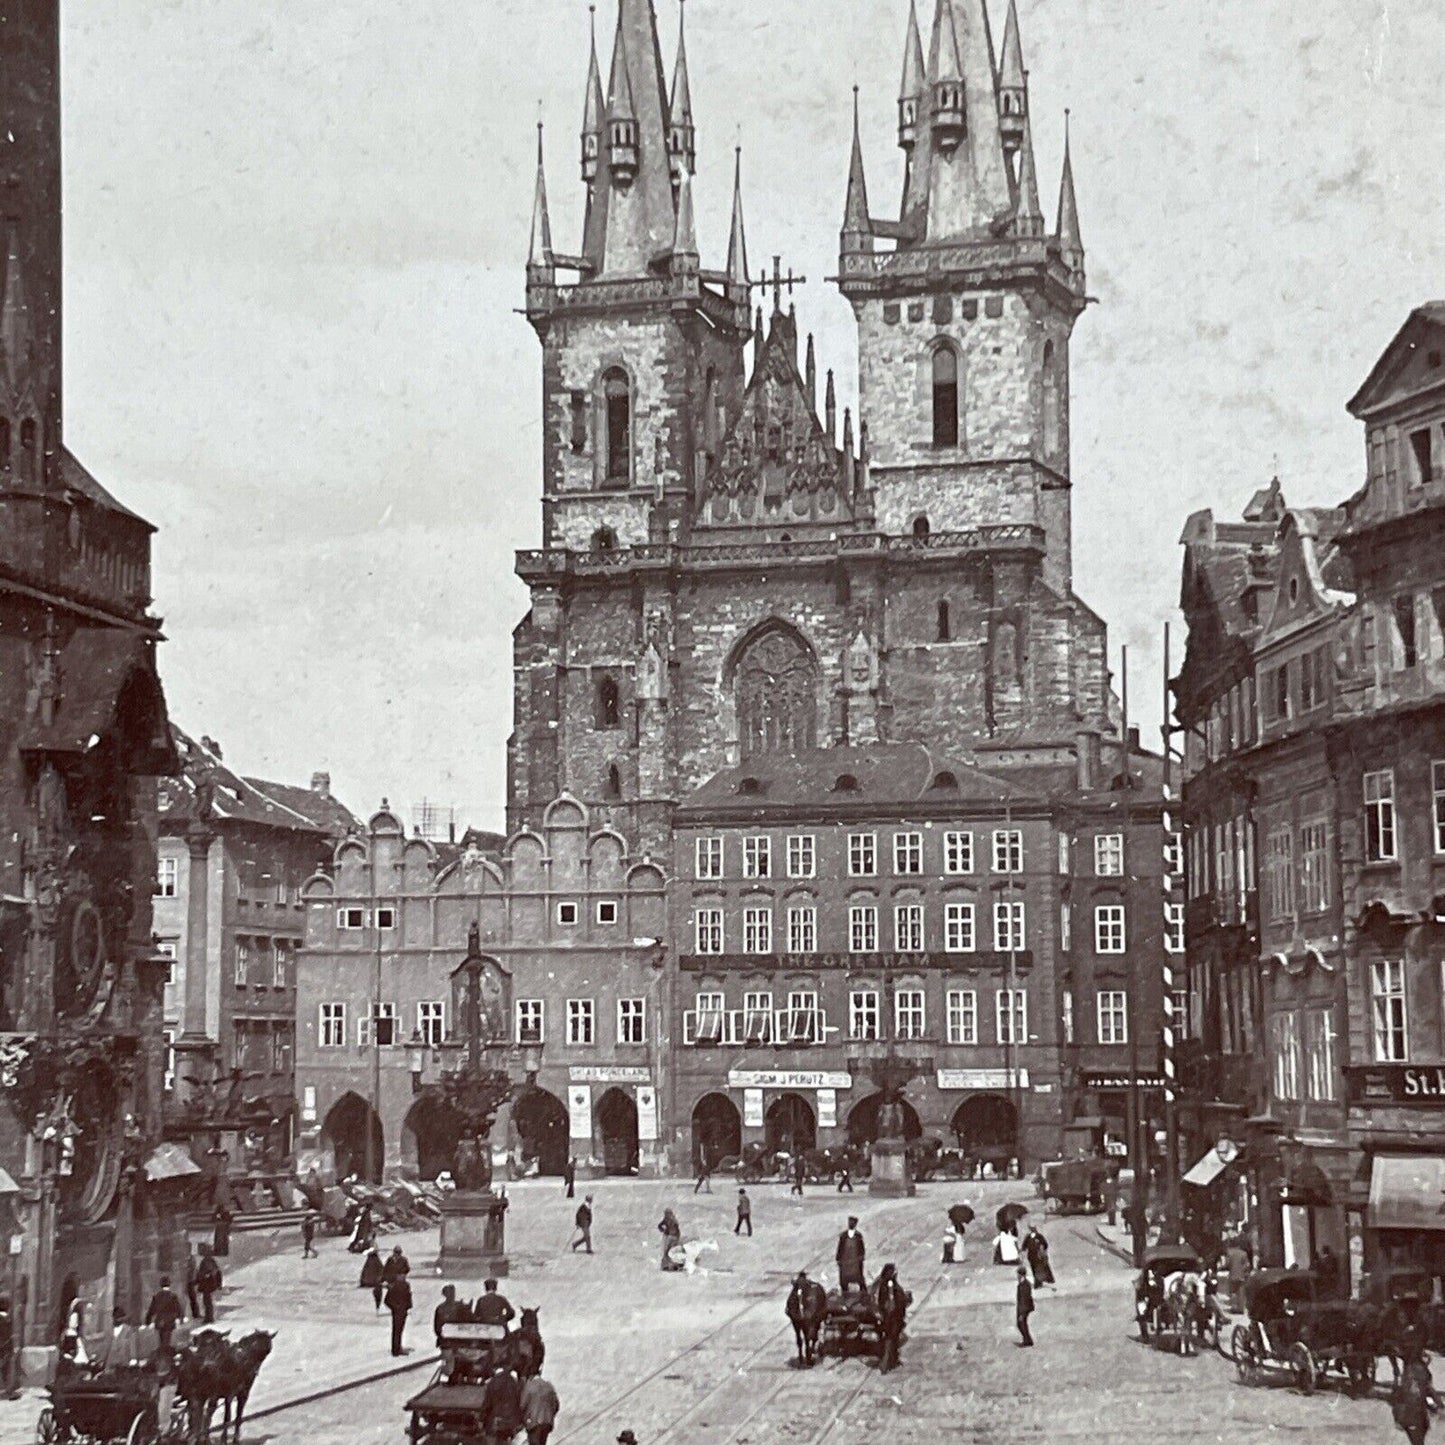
(1396,1084)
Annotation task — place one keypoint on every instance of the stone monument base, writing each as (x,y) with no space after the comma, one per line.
(473,1235)
(891,1178)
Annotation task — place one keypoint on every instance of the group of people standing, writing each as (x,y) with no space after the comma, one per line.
(389,1285)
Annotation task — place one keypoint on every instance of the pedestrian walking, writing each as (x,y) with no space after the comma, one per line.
(192,1298)
(671,1232)
(7,1350)
(745,1213)
(1024,1307)
(1236,1259)
(851,1251)
(1410,1404)
(221,1234)
(540,1408)
(398,1304)
(308,1235)
(451,1311)
(1036,1251)
(569,1176)
(397,1265)
(584,1225)
(373,1276)
(502,1407)
(704,1175)
(208,1284)
(165,1312)
(845,1180)
(799,1173)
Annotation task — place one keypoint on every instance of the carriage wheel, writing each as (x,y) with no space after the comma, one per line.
(1246,1354)
(47,1428)
(1304,1367)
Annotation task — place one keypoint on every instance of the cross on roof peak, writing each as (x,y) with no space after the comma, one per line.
(779,283)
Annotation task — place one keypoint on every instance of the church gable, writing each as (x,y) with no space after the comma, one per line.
(777,466)
(1411,364)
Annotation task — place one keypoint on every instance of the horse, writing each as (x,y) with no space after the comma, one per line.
(213,1372)
(1184,1303)
(525,1351)
(807,1304)
(892,1306)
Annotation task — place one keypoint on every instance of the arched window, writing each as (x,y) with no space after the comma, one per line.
(604,539)
(775,684)
(920,526)
(945,397)
(945,632)
(612,787)
(617,399)
(609,703)
(1051,401)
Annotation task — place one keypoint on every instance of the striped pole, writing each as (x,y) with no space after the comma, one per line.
(1172,879)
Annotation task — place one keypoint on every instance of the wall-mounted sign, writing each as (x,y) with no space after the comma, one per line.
(827,1108)
(646,1113)
(753,1108)
(983,1078)
(1097,1079)
(610,1074)
(1396,1084)
(308,1104)
(787,1079)
(579,1111)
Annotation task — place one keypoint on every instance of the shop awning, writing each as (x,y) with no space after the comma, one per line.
(1407,1191)
(170,1161)
(7,1184)
(1207,1170)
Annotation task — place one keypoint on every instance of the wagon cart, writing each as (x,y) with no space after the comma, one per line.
(451,1409)
(1276,1301)
(1077,1186)
(1335,1336)
(850,1325)
(1160,1261)
(134,1405)
(470,1352)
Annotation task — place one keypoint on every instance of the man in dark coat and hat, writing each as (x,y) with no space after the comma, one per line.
(851,1250)
(1024,1307)
(502,1406)
(165,1312)
(208,1284)
(398,1304)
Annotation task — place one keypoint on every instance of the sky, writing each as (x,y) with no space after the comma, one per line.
(295,245)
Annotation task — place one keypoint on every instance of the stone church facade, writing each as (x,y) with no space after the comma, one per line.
(727,570)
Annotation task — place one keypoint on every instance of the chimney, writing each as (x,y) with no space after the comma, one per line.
(321,784)
(1087,760)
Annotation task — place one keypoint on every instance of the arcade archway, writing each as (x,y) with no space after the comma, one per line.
(791,1124)
(617,1123)
(430,1135)
(717,1130)
(863,1120)
(540,1120)
(987,1127)
(352,1134)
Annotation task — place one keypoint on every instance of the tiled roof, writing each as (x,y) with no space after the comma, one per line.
(74,475)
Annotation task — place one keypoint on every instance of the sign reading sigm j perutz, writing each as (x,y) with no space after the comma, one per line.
(787,1079)
(1396,1084)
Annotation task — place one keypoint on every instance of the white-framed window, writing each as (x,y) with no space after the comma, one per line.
(331,1029)
(1108,855)
(707,928)
(908,853)
(378,1022)
(1380,816)
(1008,850)
(802,856)
(1012,1025)
(804,1022)
(862,928)
(802,928)
(386,918)
(1067,1015)
(1180,999)
(169,950)
(710,1019)
(908,1014)
(962,1007)
(1279,872)
(957,853)
(168,1078)
(278,964)
(758,1016)
(958,928)
(168,877)
(1437,789)
(1284,1046)
(1174,927)
(862,855)
(243,962)
(1008,927)
(1174,855)
(581,1021)
(1387,995)
(350,919)
(1066,925)
(431,1021)
(908,928)
(1109,928)
(1113,1011)
(757,930)
(632,1021)
(708,858)
(607,910)
(568,915)
(1314,880)
(281,1042)
(1320,1054)
(863,1013)
(757,857)
(1065,854)
(531,1019)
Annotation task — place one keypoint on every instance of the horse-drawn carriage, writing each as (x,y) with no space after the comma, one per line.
(1158,1309)
(451,1410)
(851,1324)
(136,1405)
(1291,1327)
(1077,1186)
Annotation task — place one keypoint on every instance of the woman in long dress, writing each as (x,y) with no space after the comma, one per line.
(671,1237)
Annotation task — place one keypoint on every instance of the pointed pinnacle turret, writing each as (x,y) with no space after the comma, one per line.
(592,111)
(540,254)
(1070,242)
(684,236)
(915,81)
(682,136)
(810,376)
(1028,215)
(758,337)
(830,408)
(17,340)
(620,104)
(737,240)
(857,233)
(1013,84)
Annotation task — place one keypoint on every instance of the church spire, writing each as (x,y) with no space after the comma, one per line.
(910,90)
(737,239)
(1029,216)
(592,111)
(857,233)
(540,254)
(1013,84)
(682,137)
(1070,242)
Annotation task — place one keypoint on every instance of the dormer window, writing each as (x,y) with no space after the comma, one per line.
(845,783)
(945,782)
(750,786)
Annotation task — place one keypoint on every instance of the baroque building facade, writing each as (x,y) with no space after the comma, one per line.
(83,735)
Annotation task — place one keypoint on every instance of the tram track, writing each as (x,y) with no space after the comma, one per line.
(670,1430)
